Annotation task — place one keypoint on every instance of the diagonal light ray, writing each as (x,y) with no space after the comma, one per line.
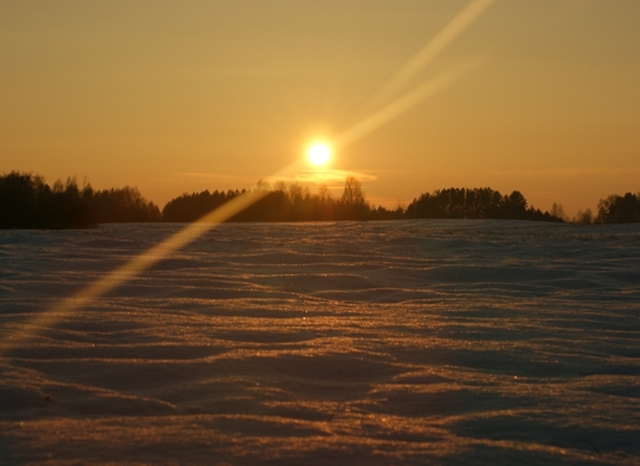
(452,30)
(194,230)
(139,264)
(401,105)
(223,213)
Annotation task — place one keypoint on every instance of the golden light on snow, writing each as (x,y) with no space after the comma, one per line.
(319,153)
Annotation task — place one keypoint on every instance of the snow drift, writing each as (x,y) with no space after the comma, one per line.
(410,342)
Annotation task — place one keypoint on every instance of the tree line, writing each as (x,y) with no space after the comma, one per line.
(280,203)
(26,201)
(476,203)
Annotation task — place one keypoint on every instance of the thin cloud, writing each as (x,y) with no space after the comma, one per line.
(566,172)
(219,179)
(326,176)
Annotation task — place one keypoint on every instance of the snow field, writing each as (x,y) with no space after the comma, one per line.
(413,342)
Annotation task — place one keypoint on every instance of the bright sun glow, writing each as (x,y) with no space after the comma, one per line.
(319,153)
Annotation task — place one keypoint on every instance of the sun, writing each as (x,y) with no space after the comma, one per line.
(319,153)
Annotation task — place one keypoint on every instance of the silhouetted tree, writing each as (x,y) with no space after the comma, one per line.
(67,206)
(514,206)
(121,205)
(22,196)
(324,205)
(558,211)
(486,203)
(191,207)
(584,218)
(619,209)
(353,204)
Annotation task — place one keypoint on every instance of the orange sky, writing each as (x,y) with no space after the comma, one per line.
(184,96)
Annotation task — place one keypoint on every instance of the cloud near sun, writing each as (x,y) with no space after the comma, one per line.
(328,175)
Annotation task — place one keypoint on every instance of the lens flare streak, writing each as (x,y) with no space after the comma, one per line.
(403,104)
(447,35)
(192,231)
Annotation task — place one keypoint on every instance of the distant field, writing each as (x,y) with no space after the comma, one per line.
(406,342)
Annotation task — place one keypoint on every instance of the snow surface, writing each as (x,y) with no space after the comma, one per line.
(413,342)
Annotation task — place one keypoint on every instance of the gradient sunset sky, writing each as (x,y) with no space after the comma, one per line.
(182,96)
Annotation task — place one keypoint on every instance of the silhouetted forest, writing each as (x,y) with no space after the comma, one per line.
(282,203)
(26,201)
(619,209)
(294,203)
(476,203)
